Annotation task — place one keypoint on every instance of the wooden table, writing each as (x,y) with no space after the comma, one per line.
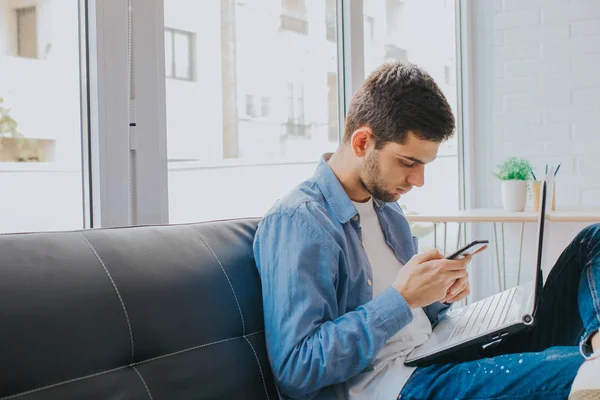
(586,216)
(499,216)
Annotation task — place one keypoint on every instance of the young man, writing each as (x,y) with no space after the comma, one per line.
(346,298)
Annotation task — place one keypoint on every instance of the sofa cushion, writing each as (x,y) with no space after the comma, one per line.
(172,312)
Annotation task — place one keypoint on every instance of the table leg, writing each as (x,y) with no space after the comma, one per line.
(520,253)
(464,301)
(503,260)
(435,235)
(445,236)
(497,257)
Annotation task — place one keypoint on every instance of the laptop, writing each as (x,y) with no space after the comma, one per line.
(489,320)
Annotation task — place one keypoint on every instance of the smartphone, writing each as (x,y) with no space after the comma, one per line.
(469,249)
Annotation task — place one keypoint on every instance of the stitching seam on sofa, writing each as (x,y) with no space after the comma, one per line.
(144,382)
(226,276)
(118,294)
(127,366)
(259,368)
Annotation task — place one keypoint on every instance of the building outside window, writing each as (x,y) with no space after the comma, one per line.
(179,54)
(27,44)
(293,16)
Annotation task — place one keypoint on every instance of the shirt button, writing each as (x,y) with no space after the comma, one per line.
(369,282)
(355,218)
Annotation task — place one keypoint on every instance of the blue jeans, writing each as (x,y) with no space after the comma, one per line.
(541,362)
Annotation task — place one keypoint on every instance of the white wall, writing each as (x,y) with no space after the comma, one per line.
(536,94)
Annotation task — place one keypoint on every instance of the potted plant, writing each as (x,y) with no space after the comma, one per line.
(15,147)
(514,174)
(8,126)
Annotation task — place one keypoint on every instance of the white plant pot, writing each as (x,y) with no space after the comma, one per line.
(514,195)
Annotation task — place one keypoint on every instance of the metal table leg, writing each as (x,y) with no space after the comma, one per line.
(435,235)
(445,235)
(503,260)
(497,257)
(520,253)
(464,301)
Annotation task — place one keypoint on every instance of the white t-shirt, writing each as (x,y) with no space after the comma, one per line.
(388,374)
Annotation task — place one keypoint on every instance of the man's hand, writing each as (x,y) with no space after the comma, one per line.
(461,288)
(428,277)
(458,291)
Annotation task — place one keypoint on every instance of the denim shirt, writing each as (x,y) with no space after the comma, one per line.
(322,324)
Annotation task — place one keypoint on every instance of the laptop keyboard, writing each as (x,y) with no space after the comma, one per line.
(483,315)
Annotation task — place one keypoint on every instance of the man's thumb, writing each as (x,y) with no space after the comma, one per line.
(432,254)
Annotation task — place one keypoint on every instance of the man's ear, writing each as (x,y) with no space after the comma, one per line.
(361,140)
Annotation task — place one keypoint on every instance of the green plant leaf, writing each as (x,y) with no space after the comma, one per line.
(514,168)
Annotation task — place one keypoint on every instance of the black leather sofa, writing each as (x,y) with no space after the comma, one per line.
(154,312)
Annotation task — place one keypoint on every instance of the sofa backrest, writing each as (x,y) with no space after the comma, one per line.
(153,312)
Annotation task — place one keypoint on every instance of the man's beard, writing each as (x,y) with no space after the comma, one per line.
(370,179)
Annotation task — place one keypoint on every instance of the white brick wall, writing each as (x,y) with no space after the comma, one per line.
(544,95)
(535,94)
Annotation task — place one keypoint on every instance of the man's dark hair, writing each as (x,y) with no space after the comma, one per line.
(397,98)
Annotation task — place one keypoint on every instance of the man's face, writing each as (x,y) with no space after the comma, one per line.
(393,170)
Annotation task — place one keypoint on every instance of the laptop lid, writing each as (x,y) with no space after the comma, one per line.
(539,277)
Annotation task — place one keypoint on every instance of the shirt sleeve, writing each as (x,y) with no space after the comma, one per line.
(436,311)
(310,342)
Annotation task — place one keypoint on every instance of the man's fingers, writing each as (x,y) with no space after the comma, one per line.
(480,250)
(457,297)
(455,265)
(457,288)
(456,274)
(459,285)
(432,254)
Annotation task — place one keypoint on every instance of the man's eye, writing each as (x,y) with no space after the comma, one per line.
(406,164)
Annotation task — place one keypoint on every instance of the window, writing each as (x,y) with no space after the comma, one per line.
(394,53)
(295,125)
(169,59)
(448,75)
(41,177)
(395,14)
(332,107)
(179,54)
(330,17)
(294,16)
(369,28)
(250,106)
(257,106)
(261,111)
(27,32)
(265,106)
(430,46)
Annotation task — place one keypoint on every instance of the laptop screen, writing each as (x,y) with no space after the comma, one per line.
(539,278)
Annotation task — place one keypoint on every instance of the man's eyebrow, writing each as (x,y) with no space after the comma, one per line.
(413,159)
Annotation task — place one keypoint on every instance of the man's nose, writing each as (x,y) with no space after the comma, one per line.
(417,176)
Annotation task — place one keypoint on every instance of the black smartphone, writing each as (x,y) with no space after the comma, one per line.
(469,249)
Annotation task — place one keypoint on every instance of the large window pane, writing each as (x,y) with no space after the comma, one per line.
(261,107)
(422,32)
(40,116)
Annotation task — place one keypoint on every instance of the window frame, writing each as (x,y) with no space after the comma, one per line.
(19,13)
(191,44)
(148,157)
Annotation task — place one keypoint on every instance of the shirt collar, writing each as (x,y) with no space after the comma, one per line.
(334,192)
